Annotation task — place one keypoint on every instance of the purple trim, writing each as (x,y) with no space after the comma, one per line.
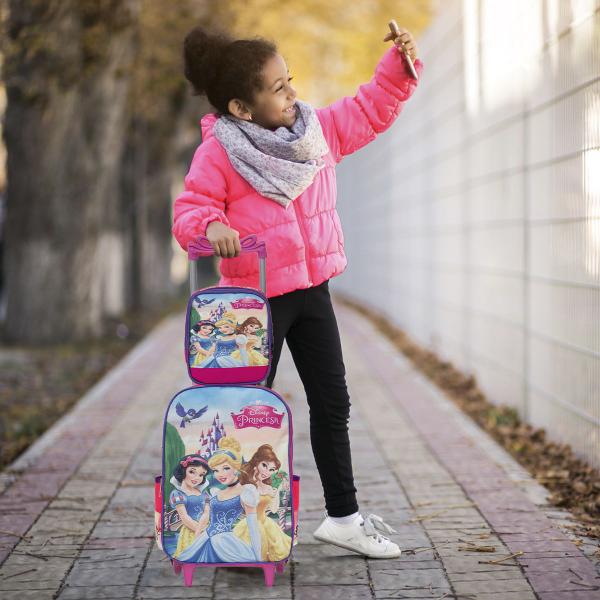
(291,474)
(227,289)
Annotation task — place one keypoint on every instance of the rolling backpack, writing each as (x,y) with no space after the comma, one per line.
(227,495)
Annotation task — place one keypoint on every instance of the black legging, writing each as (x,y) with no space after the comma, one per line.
(305,318)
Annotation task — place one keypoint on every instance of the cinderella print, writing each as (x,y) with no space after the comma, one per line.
(228,343)
(218,543)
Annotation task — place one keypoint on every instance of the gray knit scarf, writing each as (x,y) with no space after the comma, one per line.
(278,164)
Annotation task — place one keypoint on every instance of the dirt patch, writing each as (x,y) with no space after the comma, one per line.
(39,384)
(574,484)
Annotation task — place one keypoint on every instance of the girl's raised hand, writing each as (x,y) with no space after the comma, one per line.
(404,40)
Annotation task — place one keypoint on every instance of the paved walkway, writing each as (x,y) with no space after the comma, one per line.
(76,512)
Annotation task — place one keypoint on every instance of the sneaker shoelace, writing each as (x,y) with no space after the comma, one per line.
(373,525)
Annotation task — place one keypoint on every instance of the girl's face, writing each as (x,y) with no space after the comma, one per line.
(266,468)
(195,475)
(226,329)
(252,328)
(206,330)
(271,107)
(225,473)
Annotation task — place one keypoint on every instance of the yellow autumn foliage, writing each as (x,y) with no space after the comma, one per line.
(330,47)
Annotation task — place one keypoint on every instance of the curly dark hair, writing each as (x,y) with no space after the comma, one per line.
(223,68)
(193,460)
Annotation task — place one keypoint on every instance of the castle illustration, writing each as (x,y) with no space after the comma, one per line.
(201,307)
(209,442)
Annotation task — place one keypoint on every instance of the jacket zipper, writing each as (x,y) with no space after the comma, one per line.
(306,253)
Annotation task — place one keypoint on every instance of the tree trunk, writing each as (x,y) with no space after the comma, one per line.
(66,77)
(147,200)
(163,134)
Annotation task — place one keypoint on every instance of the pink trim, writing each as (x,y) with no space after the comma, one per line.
(158,499)
(229,375)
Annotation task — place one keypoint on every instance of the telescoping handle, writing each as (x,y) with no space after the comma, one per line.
(202,247)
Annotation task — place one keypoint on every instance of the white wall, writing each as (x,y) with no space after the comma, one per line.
(474,222)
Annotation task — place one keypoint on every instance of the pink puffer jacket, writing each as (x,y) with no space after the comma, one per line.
(304,242)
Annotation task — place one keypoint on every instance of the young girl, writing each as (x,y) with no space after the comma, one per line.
(266,165)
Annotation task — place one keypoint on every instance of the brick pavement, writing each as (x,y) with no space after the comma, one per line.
(464,484)
(77,519)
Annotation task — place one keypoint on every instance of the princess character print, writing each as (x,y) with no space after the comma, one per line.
(227,476)
(228,337)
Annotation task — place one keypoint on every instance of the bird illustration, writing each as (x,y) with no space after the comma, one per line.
(202,302)
(190,414)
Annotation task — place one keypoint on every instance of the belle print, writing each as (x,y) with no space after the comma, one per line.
(258,470)
(249,328)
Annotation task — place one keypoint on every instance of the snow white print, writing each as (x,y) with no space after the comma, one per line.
(226,344)
(190,499)
(202,342)
(258,470)
(218,543)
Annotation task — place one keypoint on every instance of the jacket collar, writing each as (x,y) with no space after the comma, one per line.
(207,122)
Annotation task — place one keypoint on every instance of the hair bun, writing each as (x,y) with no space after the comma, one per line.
(223,68)
(229,443)
(202,51)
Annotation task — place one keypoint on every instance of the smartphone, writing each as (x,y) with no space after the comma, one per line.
(396,32)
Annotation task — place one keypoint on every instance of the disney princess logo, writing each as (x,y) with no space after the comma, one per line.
(248,303)
(257,415)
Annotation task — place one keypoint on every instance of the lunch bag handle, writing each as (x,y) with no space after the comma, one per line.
(202,247)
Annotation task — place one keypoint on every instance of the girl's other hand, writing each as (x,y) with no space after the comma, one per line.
(404,40)
(224,240)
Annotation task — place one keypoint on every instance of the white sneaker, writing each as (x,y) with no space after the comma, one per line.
(362,536)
